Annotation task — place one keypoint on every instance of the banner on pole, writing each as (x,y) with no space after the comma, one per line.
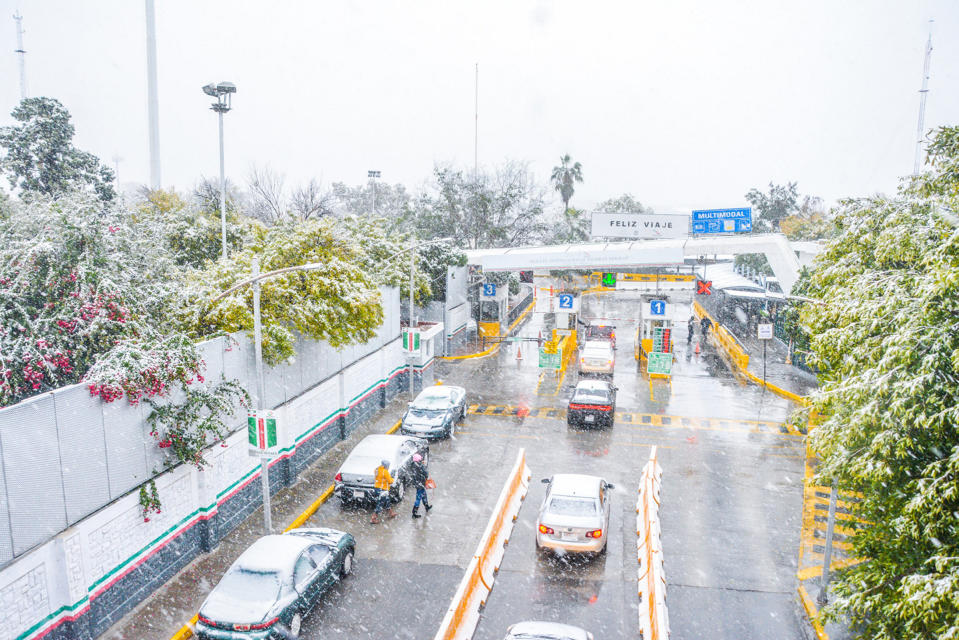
(262,432)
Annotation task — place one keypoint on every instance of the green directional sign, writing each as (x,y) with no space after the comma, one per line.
(609,280)
(548,360)
(660,363)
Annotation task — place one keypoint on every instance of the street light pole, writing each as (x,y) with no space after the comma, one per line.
(222,91)
(412,266)
(373,175)
(260,392)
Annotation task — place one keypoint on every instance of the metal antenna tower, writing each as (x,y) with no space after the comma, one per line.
(922,103)
(153,110)
(22,54)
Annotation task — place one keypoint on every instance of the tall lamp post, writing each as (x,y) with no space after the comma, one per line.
(373,175)
(223,92)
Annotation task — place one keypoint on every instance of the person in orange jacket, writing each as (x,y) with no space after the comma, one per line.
(383,483)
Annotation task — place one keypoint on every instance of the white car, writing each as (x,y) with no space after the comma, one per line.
(574,516)
(597,358)
(353,481)
(536,630)
(435,412)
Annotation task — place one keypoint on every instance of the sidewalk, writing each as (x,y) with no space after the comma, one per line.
(164,612)
(785,376)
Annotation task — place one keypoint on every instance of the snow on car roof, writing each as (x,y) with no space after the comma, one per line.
(273,553)
(575,484)
(438,391)
(593,384)
(378,443)
(538,629)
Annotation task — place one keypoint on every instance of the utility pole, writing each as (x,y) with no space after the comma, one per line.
(476,125)
(22,54)
(922,103)
(116,171)
(153,110)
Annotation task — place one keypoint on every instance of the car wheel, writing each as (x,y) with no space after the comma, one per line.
(295,624)
(347,567)
(400,490)
(450,430)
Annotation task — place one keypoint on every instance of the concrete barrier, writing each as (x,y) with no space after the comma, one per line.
(461,618)
(653,615)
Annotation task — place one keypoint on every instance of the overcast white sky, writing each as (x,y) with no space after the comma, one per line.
(682,104)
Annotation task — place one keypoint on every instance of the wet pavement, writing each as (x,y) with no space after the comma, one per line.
(731,508)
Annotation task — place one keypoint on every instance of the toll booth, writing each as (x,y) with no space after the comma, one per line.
(654,337)
(493,309)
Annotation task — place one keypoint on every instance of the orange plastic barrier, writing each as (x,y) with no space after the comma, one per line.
(653,616)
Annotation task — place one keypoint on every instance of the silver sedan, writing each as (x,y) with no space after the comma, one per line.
(574,517)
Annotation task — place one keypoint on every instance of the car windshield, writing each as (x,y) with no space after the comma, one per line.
(590,395)
(599,332)
(570,506)
(432,402)
(252,586)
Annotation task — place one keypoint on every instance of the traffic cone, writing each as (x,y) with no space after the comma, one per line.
(697,347)
(519,352)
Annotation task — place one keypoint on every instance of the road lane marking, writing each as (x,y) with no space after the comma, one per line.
(654,420)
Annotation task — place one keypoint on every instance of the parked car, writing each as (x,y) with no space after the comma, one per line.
(574,516)
(536,630)
(354,479)
(605,332)
(435,412)
(271,587)
(597,358)
(593,403)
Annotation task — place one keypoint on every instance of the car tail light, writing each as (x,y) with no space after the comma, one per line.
(241,627)
(544,529)
(262,625)
(338,477)
(595,533)
(593,407)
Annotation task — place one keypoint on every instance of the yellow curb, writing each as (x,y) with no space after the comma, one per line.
(813,613)
(186,631)
(495,347)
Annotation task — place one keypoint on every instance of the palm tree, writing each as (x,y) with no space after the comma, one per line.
(564,176)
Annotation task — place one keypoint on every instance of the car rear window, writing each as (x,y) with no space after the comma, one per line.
(245,585)
(590,395)
(570,506)
(599,331)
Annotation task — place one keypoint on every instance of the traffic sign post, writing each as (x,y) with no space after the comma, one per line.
(549,359)
(262,432)
(609,280)
(764,332)
(659,363)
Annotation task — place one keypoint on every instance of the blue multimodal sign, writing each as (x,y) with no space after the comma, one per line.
(657,307)
(723,220)
(566,301)
(489,290)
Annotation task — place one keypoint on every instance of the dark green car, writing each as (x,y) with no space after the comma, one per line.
(271,587)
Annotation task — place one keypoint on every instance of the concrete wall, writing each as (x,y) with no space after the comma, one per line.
(94,556)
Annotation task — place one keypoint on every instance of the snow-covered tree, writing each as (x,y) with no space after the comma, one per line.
(77,281)
(40,156)
(338,303)
(502,208)
(886,341)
